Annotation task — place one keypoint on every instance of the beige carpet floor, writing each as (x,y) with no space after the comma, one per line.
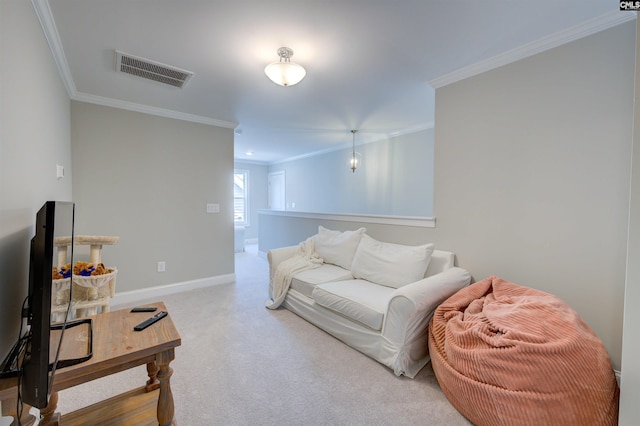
(242,364)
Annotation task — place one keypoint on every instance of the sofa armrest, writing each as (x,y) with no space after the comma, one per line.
(411,306)
(277,255)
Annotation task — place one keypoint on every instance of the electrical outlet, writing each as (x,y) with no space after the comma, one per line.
(213,208)
(162,266)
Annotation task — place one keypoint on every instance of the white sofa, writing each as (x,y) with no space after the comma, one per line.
(388,324)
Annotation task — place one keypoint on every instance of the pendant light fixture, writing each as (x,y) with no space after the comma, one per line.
(285,72)
(354,160)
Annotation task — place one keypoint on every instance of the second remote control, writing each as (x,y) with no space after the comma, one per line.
(147,323)
(145,309)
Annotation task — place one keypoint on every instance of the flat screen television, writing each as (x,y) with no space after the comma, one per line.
(34,357)
(54,220)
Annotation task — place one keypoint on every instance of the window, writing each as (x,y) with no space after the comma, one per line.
(241,197)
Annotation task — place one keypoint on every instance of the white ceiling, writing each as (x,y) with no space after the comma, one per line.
(372,65)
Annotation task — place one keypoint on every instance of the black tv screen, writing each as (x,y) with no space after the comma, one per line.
(54,220)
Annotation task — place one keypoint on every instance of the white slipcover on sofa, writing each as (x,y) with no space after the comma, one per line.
(376,297)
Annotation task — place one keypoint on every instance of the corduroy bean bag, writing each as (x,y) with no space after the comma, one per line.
(511,355)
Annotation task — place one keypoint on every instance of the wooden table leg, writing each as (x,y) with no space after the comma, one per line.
(152,372)
(48,413)
(165,399)
(9,408)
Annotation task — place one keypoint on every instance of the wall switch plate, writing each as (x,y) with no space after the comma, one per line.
(213,208)
(59,171)
(162,266)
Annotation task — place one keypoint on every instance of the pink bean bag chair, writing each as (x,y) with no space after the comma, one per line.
(511,355)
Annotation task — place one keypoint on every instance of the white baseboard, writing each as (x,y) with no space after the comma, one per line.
(618,376)
(134,296)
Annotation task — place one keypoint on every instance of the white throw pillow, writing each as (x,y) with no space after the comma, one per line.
(338,247)
(391,265)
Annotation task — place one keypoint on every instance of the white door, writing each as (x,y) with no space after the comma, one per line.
(276,191)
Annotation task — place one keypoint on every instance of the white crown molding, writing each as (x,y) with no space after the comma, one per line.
(410,130)
(401,132)
(312,154)
(43,12)
(576,32)
(130,106)
(252,162)
(45,17)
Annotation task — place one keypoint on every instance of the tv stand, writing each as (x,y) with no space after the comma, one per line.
(116,348)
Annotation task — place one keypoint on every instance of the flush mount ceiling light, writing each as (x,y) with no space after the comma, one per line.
(285,72)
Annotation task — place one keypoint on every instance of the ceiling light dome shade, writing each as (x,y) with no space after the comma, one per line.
(285,72)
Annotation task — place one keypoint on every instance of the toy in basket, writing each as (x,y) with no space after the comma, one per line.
(93,286)
(93,283)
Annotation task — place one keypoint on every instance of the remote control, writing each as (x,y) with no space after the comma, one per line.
(148,322)
(144,309)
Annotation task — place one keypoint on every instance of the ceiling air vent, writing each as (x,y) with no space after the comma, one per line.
(151,70)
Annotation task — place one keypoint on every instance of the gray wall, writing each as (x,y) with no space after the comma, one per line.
(258,194)
(395,178)
(532,174)
(532,177)
(279,230)
(35,136)
(148,179)
(630,383)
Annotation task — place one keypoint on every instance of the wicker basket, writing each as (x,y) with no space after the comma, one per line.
(94,281)
(94,286)
(60,291)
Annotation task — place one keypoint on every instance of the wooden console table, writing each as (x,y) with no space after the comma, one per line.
(116,347)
